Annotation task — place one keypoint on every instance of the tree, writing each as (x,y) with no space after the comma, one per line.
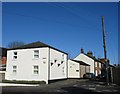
(15,44)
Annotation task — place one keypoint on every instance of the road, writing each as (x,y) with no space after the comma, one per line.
(70,86)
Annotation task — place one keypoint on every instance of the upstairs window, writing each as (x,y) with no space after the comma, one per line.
(63,56)
(15,55)
(36,54)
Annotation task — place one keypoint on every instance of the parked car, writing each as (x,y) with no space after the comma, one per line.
(101,76)
(89,76)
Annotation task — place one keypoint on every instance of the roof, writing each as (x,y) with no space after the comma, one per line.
(111,66)
(3,52)
(81,62)
(93,57)
(37,44)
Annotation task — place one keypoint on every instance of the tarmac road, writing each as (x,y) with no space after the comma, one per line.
(70,86)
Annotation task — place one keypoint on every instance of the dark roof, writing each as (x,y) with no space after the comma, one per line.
(37,44)
(3,52)
(111,66)
(92,57)
(81,62)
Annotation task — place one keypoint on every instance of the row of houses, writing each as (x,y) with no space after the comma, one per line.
(41,62)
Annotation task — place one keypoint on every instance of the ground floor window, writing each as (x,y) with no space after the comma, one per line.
(36,69)
(14,69)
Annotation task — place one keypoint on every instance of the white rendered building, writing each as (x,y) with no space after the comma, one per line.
(76,69)
(95,64)
(36,61)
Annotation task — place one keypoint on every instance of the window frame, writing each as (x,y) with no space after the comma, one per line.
(15,55)
(36,54)
(35,70)
(14,69)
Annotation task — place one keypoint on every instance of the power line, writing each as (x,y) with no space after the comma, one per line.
(41,19)
(70,11)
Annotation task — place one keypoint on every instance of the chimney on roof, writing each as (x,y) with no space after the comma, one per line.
(82,50)
(90,53)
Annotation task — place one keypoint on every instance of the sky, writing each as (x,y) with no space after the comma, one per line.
(65,26)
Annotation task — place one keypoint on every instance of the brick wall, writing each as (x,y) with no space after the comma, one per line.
(3,60)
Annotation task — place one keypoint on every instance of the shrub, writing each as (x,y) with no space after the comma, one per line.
(23,82)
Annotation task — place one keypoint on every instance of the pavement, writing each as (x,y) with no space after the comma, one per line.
(70,86)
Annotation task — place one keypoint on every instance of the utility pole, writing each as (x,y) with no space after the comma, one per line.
(105,52)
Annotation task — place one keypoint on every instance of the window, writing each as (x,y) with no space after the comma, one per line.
(36,70)
(63,69)
(36,54)
(63,56)
(77,70)
(14,69)
(15,55)
(96,64)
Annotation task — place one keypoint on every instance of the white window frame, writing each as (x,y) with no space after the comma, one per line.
(36,70)
(63,56)
(36,54)
(96,64)
(14,69)
(15,55)
(99,65)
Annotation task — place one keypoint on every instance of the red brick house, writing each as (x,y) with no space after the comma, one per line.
(3,59)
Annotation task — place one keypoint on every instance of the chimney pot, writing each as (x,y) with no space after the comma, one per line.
(82,50)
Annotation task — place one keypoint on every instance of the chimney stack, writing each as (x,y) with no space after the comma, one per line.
(82,50)
(89,53)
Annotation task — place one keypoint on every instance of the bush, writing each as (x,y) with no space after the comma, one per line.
(23,82)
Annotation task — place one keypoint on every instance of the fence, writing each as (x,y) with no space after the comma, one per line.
(116,75)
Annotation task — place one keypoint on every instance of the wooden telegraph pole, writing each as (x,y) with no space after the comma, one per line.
(105,52)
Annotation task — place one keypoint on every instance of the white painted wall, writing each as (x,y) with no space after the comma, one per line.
(87,60)
(58,72)
(100,66)
(25,63)
(72,67)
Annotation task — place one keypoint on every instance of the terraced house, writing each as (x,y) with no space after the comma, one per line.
(95,64)
(36,61)
(3,59)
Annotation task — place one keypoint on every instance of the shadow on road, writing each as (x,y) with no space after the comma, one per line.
(77,90)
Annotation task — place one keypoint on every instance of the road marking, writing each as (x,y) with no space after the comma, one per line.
(99,91)
(114,90)
(60,90)
(98,85)
(84,85)
(92,88)
(106,90)
(75,85)
(91,85)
